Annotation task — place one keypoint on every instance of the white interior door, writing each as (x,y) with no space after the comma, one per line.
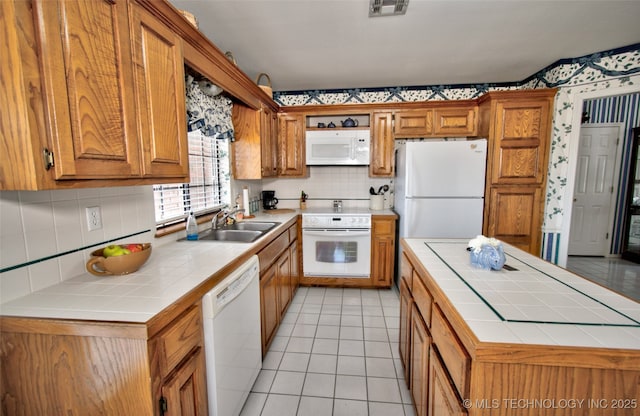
(594,192)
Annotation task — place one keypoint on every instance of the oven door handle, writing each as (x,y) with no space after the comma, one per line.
(337,233)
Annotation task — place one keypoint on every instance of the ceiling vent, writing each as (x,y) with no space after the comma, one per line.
(387,7)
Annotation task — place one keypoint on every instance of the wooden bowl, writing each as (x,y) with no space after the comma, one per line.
(100,265)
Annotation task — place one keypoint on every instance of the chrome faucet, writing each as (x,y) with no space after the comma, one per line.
(218,220)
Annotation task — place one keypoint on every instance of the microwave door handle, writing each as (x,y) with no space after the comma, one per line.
(353,148)
(337,233)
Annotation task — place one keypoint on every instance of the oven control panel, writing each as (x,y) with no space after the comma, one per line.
(336,221)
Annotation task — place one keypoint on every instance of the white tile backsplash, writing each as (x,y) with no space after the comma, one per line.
(325,183)
(36,225)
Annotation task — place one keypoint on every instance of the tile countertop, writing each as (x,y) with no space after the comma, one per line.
(538,303)
(173,270)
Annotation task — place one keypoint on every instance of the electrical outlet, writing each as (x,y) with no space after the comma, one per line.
(94,218)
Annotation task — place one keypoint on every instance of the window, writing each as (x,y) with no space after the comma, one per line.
(208,188)
(210,123)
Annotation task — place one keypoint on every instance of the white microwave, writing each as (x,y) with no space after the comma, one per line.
(338,147)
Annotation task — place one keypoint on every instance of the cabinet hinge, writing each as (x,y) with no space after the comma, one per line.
(163,405)
(48,158)
(606,236)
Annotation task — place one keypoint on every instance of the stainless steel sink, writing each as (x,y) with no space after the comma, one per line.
(251,225)
(242,236)
(241,232)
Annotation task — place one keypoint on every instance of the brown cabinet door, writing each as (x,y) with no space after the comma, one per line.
(406,303)
(160,85)
(413,123)
(419,362)
(268,142)
(269,312)
(291,148)
(294,254)
(382,142)
(382,252)
(521,143)
(284,282)
(443,400)
(515,216)
(186,392)
(85,54)
(456,121)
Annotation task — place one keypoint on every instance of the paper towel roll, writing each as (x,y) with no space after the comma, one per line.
(245,201)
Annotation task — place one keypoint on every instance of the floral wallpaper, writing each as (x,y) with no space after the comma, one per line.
(599,71)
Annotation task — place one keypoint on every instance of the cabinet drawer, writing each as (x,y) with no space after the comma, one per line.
(453,353)
(382,227)
(270,253)
(423,299)
(406,271)
(180,338)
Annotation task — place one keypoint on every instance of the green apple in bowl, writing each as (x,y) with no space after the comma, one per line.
(116,259)
(112,251)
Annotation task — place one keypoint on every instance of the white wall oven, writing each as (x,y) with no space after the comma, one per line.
(336,244)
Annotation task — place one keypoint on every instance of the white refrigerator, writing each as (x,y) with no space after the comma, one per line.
(439,189)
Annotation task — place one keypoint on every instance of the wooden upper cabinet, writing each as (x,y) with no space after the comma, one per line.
(291,146)
(445,120)
(85,59)
(160,87)
(269,141)
(456,121)
(519,135)
(382,142)
(413,123)
(254,151)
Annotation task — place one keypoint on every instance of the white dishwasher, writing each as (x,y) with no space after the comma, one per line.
(231,313)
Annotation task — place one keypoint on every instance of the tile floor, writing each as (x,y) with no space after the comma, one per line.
(617,274)
(335,353)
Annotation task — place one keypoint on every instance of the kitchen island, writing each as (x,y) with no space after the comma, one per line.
(529,339)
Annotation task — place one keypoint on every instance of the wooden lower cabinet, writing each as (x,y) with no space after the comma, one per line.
(283,271)
(55,367)
(406,303)
(185,393)
(383,249)
(443,400)
(269,310)
(419,363)
(279,276)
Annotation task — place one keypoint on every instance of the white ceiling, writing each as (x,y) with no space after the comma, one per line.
(333,44)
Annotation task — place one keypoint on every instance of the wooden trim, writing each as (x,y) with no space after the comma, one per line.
(348,109)
(72,327)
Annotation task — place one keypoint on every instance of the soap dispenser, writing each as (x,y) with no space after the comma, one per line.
(192,227)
